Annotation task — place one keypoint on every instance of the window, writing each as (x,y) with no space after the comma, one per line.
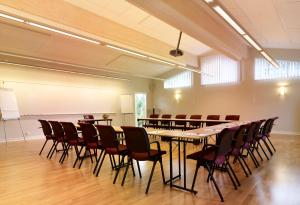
(265,71)
(181,80)
(219,69)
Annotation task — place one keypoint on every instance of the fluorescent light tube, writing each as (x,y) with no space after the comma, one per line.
(11,18)
(158,60)
(275,64)
(209,1)
(229,20)
(252,42)
(62,32)
(125,50)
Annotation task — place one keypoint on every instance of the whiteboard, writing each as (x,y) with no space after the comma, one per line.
(47,99)
(8,104)
(127,105)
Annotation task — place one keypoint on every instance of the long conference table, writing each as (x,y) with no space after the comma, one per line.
(183,137)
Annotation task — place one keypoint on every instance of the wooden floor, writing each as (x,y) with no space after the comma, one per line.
(27,178)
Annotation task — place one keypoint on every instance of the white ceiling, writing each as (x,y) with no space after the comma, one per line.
(124,13)
(273,23)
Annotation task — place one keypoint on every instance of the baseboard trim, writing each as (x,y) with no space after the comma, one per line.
(286,133)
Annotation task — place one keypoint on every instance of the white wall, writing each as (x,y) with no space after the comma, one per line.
(251,99)
(29,76)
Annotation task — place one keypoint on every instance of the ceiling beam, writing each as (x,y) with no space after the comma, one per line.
(195,19)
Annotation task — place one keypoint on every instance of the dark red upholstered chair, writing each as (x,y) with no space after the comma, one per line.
(256,142)
(91,140)
(73,140)
(89,117)
(138,144)
(178,124)
(152,123)
(232,117)
(265,134)
(195,125)
(237,147)
(166,124)
(212,156)
(249,143)
(46,127)
(212,117)
(268,132)
(112,146)
(59,135)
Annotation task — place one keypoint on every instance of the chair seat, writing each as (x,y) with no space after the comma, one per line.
(142,156)
(94,145)
(208,154)
(122,150)
(78,141)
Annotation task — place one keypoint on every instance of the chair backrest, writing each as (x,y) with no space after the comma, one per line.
(58,129)
(240,136)
(224,141)
(136,138)
(46,127)
(195,124)
(181,116)
(232,117)
(166,116)
(212,117)
(70,131)
(154,116)
(258,128)
(108,136)
(250,132)
(266,127)
(89,117)
(89,132)
(271,125)
(153,121)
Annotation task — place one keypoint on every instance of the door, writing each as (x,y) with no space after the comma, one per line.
(140,107)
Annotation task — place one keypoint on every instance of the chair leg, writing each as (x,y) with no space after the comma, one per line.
(63,156)
(82,158)
(263,151)
(162,170)
(90,154)
(234,175)
(101,164)
(126,170)
(43,146)
(246,165)
(78,155)
(253,158)
(230,176)
(215,183)
(212,172)
(118,169)
(195,177)
(52,147)
(239,160)
(55,147)
(256,149)
(150,178)
(271,144)
(268,147)
(132,167)
(111,162)
(139,169)
(97,161)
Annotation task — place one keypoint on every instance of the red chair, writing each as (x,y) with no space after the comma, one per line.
(179,124)
(265,134)
(89,117)
(91,140)
(46,127)
(73,140)
(232,117)
(212,156)
(112,147)
(152,123)
(138,145)
(166,123)
(59,135)
(212,117)
(195,125)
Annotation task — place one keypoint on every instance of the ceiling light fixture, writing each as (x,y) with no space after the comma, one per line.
(229,20)
(209,1)
(62,32)
(252,42)
(158,60)
(11,18)
(125,50)
(190,69)
(275,64)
